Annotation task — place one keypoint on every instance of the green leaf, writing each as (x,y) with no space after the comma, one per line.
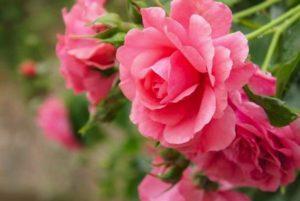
(291,43)
(109,108)
(278,112)
(107,33)
(108,72)
(117,40)
(139,3)
(285,74)
(167,4)
(291,3)
(109,19)
(93,135)
(89,133)
(134,7)
(106,111)
(78,111)
(289,60)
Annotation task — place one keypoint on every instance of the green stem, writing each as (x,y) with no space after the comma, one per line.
(253,9)
(279,30)
(271,51)
(250,24)
(273,23)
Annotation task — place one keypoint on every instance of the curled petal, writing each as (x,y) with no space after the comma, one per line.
(237,44)
(220,133)
(207,109)
(263,83)
(218,15)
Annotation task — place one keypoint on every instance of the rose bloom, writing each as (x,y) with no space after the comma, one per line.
(82,57)
(178,72)
(28,69)
(153,189)
(261,155)
(53,119)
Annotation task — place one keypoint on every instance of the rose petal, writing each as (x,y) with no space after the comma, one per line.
(180,133)
(263,83)
(146,126)
(222,64)
(240,76)
(219,133)
(218,15)
(207,109)
(153,17)
(237,44)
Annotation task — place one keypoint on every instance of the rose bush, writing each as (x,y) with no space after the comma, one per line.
(53,119)
(193,90)
(178,72)
(83,57)
(261,155)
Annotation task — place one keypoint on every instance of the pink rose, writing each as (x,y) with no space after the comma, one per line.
(153,189)
(82,57)
(54,121)
(261,155)
(178,71)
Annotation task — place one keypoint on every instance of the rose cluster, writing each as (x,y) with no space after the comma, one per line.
(83,59)
(185,74)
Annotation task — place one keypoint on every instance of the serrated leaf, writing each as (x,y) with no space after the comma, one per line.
(277,111)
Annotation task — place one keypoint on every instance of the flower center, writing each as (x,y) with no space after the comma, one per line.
(155,86)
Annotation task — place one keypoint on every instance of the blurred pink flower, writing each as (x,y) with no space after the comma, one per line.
(53,119)
(82,57)
(153,189)
(178,72)
(261,155)
(28,69)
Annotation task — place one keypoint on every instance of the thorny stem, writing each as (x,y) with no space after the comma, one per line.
(271,50)
(273,23)
(254,9)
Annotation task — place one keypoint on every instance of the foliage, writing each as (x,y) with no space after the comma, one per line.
(26,33)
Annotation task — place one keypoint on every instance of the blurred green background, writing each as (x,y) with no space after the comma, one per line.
(34,169)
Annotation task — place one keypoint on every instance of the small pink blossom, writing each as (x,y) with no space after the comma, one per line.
(54,121)
(153,189)
(82,57)
(261,155)
(178,72)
